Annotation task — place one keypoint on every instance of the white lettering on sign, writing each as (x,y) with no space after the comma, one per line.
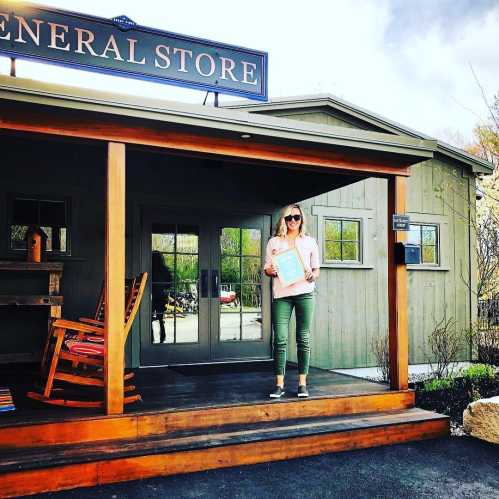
(182,53)
(54,36)
(248,71)
(162,51)
(131,52)
(227,66)
(23,25)
(2,26)
(112,46)
(84,37)
(211,61)
(95,43)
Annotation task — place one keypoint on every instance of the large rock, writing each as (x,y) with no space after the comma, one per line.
(481,419)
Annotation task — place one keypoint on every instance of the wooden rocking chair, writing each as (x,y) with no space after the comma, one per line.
(81,345)
(97,320)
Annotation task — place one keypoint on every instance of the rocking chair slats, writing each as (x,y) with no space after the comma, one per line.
(98,319)
(78,353)
(78,326)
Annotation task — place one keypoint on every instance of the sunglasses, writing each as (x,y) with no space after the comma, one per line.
(296,218)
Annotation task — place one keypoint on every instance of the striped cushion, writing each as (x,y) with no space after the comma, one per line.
(85,347)
(94,339)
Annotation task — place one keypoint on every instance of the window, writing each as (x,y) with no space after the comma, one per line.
(344,235)
(50,214)
(426,237)
(342,240)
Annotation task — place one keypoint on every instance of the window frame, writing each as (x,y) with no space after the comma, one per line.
(443,247)
(363,216)
(421,245)
(12,197)
(341,241)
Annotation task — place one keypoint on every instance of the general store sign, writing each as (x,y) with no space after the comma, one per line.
(119,46)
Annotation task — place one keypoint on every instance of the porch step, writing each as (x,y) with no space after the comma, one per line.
(30,470)
(139,425)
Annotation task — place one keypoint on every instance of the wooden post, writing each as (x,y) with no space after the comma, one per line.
(397,290)
(115,278)
(54,290)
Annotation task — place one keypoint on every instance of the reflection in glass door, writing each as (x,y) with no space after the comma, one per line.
(241,318)
(206,299)
(174,276)
(175,312)
(240,289)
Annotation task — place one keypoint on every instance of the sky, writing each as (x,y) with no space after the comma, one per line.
(411,61)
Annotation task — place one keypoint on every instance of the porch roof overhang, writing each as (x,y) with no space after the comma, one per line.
(28,106)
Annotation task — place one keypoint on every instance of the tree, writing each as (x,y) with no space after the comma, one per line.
(486,145)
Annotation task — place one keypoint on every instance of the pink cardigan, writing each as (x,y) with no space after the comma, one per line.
(309,251)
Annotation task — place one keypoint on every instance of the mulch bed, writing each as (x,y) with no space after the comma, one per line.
(453,401)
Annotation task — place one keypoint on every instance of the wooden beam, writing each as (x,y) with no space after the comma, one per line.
(88,125)
(114,279)
(397,290)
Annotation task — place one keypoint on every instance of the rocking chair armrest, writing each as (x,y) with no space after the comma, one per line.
(93,322)
(77,326)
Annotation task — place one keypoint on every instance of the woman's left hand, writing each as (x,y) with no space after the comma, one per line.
(310,276)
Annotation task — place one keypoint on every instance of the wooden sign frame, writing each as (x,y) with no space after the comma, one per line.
(284,255)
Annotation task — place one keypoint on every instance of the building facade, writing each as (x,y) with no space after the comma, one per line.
(197,223)
(350,226)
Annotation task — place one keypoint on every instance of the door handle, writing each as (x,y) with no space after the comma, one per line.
(214,284)
(204,283)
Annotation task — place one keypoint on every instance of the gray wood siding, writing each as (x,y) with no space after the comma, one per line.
(325,117)
(322,118)
(351,304)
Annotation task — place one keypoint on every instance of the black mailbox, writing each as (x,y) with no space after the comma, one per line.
(407,253)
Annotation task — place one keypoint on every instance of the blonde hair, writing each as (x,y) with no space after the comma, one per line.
(281,229)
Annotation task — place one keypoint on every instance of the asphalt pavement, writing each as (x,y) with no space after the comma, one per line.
(454,467)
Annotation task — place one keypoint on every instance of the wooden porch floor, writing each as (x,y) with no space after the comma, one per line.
(185,387)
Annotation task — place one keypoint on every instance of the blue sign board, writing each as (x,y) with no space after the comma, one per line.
(121,47)
(401,222)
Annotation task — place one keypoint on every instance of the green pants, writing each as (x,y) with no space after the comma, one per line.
(281,315)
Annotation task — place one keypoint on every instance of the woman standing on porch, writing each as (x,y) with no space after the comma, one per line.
(290,233)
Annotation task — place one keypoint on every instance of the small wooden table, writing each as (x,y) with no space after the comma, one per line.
(53,299)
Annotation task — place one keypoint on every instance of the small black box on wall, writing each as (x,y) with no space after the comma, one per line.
(407,253)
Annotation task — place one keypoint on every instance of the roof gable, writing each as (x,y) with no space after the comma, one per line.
(330,110)
(325,116)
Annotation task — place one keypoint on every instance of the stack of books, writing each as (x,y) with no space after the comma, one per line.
(6,402)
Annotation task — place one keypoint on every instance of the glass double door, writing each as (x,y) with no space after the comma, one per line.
(207,299)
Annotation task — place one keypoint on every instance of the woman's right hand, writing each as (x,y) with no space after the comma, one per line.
(272,271)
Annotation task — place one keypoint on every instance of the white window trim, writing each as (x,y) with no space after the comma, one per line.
(442,222)
(356,214)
